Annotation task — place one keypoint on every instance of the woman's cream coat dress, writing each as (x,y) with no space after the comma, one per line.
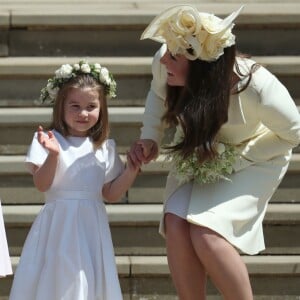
(264,124)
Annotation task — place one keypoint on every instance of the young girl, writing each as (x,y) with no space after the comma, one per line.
(235,121)
(68,253)
(5,264)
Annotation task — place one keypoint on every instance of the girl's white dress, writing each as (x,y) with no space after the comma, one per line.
(68,253)
(5,264)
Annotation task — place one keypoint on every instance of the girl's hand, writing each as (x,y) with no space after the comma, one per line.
(133,166)
(48,141)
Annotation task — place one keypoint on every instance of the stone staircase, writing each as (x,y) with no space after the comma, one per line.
(39,35)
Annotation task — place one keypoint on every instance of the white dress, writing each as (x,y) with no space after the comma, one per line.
(68,254)
(5,263)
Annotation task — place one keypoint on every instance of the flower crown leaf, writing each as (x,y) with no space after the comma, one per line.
(183,28)
(66,72)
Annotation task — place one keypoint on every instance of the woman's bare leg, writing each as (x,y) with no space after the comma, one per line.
(222,263)
(187,272)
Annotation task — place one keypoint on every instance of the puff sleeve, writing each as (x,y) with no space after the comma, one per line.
(114,165)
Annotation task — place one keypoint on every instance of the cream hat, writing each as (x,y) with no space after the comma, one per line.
(183,28)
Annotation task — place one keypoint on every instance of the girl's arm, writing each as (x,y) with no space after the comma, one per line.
(43,176)
(114,190)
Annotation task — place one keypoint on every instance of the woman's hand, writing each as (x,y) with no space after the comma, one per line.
(143,151)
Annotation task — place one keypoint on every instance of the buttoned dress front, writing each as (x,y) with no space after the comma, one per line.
(264,125)
(68,254)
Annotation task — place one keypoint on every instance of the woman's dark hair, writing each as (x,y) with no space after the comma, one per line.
(201,106)
(100,131)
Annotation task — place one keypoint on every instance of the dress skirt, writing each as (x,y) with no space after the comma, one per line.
(233,208)
(68,253)
(5,263)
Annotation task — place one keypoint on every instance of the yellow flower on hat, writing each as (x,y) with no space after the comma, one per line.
(196,35)
(187,22)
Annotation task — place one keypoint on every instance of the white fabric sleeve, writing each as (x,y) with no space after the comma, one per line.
(114,164)
(36,154)
(279,114)
(153,128)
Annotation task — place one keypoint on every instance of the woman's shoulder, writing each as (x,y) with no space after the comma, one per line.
(244,65)
(247,65)
(260,74)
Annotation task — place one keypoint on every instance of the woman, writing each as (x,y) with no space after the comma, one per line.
(236,126)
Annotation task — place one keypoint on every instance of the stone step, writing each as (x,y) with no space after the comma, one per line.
(109,28)
(18,124)
(30,74)
(16,186)
(148,277)
(147,189)
(140,223)
(133,75)
(58,13)
(133,3)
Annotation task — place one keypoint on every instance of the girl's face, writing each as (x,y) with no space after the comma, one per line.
(177,68)
(81,110)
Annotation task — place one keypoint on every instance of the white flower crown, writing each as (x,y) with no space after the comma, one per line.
(66,72)
(191,33)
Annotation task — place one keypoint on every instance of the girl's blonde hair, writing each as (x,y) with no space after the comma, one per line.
(100,131)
